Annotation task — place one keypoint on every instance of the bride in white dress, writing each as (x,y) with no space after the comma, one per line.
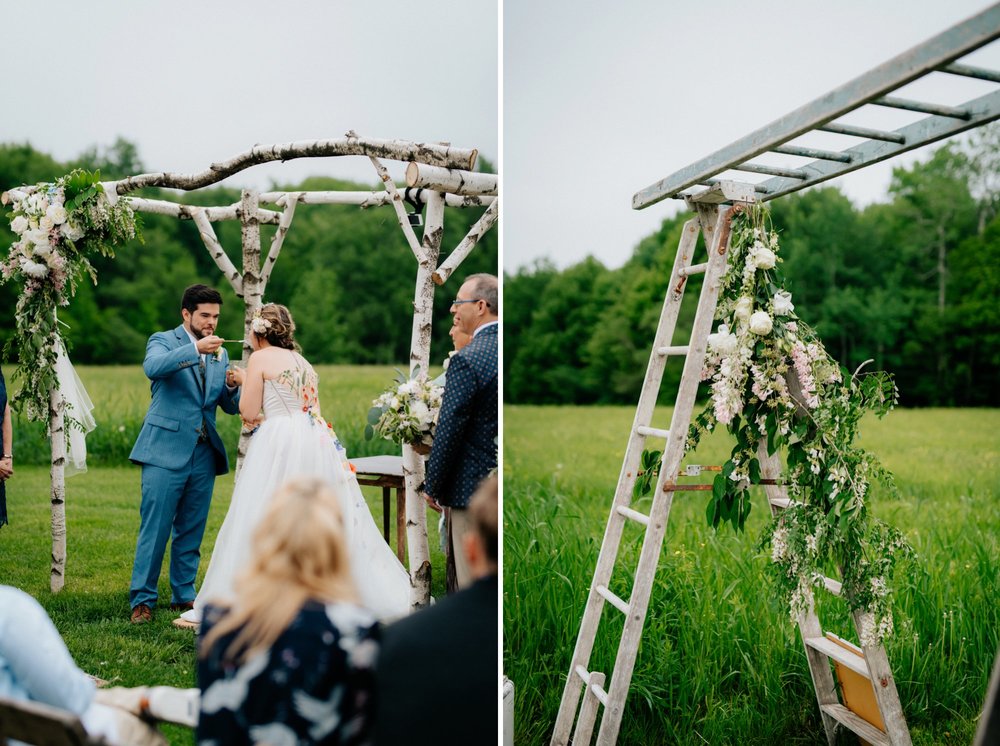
(280,393)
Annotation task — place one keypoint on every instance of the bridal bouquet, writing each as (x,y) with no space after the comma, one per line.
(407,412)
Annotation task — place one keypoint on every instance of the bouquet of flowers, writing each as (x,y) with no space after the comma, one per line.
(407,412)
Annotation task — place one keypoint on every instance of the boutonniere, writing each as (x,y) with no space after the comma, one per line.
(217,355)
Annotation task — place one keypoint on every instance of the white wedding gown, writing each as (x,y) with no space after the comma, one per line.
(292,442)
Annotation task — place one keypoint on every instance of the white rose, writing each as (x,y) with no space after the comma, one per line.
(45,223)
(43,250)
(38,236)
(783,303)
(421,412)
(57,214)
(34,269)
(760,323)
(723,341)
(744,307)
(394,403)
(72,231)
(19,224)
(762,258)
(406,389)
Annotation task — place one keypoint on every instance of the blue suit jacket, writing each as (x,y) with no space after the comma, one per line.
(181,402)
(465,448)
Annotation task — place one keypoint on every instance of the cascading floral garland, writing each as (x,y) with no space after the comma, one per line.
(772,381)
(58,225)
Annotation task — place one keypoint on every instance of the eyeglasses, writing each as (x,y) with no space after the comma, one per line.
(458,302)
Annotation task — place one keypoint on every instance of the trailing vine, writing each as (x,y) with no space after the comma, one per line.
(59,225)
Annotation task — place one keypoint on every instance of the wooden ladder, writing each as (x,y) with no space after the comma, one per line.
(713,221)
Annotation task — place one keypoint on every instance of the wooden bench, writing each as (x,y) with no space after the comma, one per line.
(387,472)
(41,724)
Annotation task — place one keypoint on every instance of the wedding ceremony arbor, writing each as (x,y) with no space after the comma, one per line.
(438,176)
(716,188)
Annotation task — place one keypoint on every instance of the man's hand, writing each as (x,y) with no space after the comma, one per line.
(235,377)
(434,505)
(208,345)
(6,468)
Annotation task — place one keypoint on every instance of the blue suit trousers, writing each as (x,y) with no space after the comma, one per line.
(175,505)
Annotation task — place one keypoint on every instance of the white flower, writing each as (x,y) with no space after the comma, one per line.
(43,250)
(760,323)
(783,303)
(762,257)
(38,236)
(419,410)
(723,341)
(19,224)
(57,214)
(744,307)
(72,231)
(260,325)
(45,223)
(34,269)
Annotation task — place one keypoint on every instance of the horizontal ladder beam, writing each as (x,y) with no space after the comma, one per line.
(970,71)
(634,515)
(652,432)
(814,153)
(893,102)
(865,133)
(673,351)
(612,599)
(856,724)
(598,690)
(833,651)
(694,269)
(940,50)
(758,168)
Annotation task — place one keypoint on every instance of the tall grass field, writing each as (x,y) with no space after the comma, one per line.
(102,517)
(720,660)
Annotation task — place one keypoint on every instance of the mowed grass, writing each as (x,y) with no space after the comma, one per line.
(720,661)
(102,517)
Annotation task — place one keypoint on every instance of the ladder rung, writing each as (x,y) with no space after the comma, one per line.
(856,724)
(833,586)
(780,502)
(823,155)
(598,691)
(758,168)
(868,134)
(935,109)
(694,269)
(681,350)
(613,599)
(972,72)
(834,651)
(635,515)
(654,432)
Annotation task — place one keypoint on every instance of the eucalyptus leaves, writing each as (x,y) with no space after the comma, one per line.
(57,225)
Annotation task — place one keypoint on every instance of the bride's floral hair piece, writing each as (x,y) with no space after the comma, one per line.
(274,323)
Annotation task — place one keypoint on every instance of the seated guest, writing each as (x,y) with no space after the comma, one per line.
(292,661)
(36,666)
(437,677)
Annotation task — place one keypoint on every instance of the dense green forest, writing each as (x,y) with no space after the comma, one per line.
(912,284)
(346,274)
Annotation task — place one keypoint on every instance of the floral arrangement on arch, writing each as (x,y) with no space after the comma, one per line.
(407,412)
(58,225)
(773,382)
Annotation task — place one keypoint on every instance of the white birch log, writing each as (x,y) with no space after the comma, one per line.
(361,199)
(476,232)
(253,290)
(397,203)
(455,181)
(186,212)
(279,239)
(420,353)
(218,254)
(400,150)
(57,475)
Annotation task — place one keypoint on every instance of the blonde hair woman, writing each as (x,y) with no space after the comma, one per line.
(292,659)
(281,395)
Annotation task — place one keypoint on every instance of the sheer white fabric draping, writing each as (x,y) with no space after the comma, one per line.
(78,407)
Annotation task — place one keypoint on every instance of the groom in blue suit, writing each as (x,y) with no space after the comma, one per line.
(179,449)
(465,440)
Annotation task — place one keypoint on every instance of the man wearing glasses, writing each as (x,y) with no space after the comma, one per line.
(465,449)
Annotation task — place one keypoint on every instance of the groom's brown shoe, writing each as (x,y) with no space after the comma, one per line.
(186,606)
(141,614)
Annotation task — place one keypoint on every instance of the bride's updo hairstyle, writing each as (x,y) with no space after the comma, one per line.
(299,553)
(276,325)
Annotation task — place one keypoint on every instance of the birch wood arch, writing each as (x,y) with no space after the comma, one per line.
(451,183)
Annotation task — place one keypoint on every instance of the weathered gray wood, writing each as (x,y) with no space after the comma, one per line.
(41,724)
(451,180)
(187,212)
(584,730)
(856,724)
(884,684)
(279,238)
(369,199)
(217,252)
(351,144)
(252,288)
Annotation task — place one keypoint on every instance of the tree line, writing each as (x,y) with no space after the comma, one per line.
(346,274)
(912,284)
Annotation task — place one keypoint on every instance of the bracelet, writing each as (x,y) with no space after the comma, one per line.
(9,455)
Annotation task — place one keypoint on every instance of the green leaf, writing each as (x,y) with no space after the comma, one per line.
(374,415)
(719,486)
(754,471)
(369,432)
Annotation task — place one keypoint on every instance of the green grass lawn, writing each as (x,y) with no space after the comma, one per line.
(102,516)
(720,661)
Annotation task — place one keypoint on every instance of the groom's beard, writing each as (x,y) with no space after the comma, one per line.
(204,330)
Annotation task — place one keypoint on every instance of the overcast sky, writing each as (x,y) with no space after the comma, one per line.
(192,82)
(602,99)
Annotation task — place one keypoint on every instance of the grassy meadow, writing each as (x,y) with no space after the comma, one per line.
(102,516)
(720,661)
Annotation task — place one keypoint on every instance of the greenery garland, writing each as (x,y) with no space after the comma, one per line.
(772,381)
(58,225)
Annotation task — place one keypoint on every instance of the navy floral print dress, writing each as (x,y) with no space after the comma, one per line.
(313,686)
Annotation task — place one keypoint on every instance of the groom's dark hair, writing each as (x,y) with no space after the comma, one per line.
(197,294)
